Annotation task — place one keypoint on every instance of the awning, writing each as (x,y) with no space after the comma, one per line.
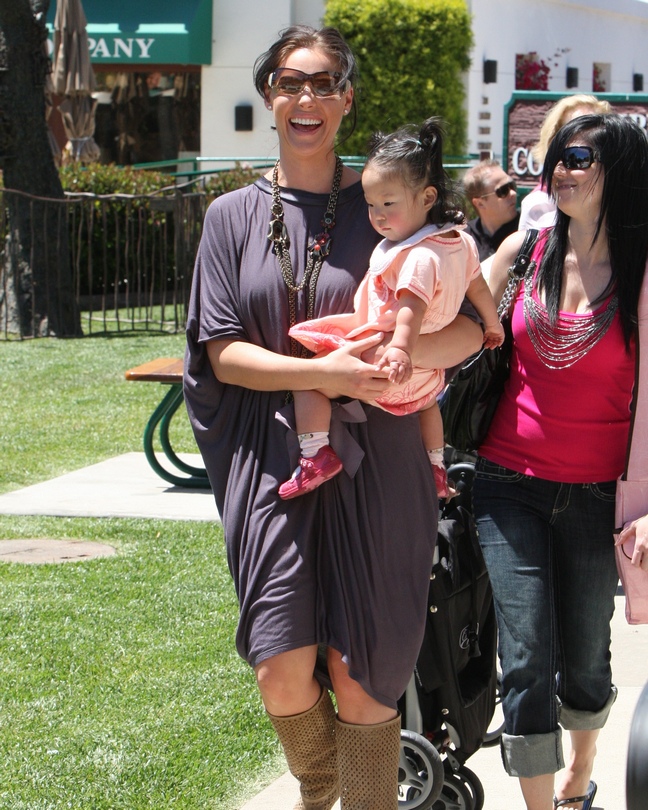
(141,32)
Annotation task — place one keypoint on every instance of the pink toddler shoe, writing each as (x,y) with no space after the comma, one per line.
(441,480)
(311,472)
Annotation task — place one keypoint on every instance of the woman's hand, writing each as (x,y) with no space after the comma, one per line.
(339,373)
(349,374)
(374,353)
(636,530)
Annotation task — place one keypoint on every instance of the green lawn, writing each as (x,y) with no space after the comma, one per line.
(120,686)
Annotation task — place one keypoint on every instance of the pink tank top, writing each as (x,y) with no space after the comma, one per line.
(570,424)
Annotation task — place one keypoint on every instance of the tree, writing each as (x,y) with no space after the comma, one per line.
(36,289)
(411,57)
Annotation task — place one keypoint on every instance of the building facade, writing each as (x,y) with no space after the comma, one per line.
(180,73)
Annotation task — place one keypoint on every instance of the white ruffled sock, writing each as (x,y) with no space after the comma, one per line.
(436,457)
(311,443)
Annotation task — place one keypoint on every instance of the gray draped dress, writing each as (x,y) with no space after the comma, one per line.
(346,566)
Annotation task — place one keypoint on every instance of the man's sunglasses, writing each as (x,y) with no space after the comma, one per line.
(577,157)
(503,191)
(289,82)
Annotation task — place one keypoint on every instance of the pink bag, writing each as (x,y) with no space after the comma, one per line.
(635,585)
(632,487)
(631,503)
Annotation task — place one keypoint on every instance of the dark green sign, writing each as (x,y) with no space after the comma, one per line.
(140,32)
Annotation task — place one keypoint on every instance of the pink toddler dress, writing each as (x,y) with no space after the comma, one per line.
(437,263)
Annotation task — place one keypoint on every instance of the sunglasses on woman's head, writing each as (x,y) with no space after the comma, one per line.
(289,82)
(577,157)
(503,191)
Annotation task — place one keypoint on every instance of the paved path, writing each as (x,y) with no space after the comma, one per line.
(630,664)
(126,486)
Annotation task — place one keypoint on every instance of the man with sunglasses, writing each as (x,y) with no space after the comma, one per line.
(493,196)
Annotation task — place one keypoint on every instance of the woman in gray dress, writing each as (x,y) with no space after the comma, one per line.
(332,586)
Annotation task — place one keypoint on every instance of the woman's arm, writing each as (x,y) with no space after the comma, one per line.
(446,348)
(239,363)
(449,346)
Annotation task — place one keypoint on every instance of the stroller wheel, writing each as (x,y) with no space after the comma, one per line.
(454,796)
(494,732)
(637,767)
(471,781)
(420,772)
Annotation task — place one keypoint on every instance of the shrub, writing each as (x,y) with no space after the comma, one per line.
(101,178)
(231,179)
(411,54)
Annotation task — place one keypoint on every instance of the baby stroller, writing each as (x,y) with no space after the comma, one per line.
(449,704)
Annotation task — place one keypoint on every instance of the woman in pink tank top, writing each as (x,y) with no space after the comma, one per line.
(545,485)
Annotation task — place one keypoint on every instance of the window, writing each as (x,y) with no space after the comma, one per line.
(531,72)
(601,77)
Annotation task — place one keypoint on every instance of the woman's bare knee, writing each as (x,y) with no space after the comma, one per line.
(354,704)
(287,682)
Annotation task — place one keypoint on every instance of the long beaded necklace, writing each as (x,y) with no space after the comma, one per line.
(564,344)
(317,251)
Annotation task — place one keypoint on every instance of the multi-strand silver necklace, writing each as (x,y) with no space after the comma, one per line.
(565,343)
(317,251)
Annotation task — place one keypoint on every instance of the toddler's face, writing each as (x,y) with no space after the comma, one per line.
(396,210)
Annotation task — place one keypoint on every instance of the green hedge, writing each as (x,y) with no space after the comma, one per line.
(97,178)
(411,55)
(107,178)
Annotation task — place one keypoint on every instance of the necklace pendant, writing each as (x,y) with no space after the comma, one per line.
(321,245)
(277,232)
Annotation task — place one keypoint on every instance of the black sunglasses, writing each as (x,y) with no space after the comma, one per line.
(290,82)
(503,191)
(577,157)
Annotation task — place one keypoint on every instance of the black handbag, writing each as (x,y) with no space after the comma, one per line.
(469,400)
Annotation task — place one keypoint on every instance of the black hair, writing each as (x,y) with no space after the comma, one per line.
(621,152)
(416,153)
(329,40)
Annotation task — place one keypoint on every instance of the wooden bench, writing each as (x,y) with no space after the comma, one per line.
(168,371)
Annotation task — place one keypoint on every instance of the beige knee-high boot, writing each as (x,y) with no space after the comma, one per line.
(308,740)
(368,765)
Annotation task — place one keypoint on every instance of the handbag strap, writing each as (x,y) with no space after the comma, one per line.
(517,271)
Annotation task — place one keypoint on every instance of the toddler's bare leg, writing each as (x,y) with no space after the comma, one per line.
(432,427)
(312,412)
(431,423)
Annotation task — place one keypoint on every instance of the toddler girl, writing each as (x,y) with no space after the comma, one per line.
(417,279)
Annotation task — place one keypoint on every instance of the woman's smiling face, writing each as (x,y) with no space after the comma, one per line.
(306,121)
(578,191)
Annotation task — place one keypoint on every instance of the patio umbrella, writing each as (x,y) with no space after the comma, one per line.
(73,79)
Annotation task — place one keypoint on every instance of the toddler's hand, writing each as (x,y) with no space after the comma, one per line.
(399,364)
(493,335)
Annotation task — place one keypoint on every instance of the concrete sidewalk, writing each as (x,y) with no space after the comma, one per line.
(127,487)
(630,665)
(124,486)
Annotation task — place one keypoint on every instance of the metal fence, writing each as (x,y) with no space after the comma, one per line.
(131,256)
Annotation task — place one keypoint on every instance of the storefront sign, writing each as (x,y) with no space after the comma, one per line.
(523,117)
(140,32)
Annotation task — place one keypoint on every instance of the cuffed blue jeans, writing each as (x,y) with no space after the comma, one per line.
(549,550)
